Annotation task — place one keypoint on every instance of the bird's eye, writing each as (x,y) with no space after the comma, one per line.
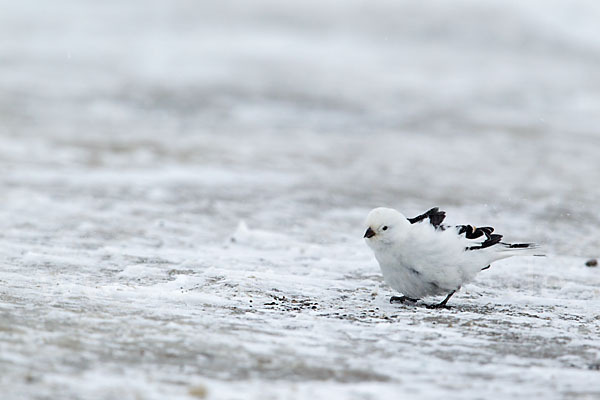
(384,228)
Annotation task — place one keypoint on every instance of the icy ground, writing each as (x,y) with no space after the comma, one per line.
(183,186)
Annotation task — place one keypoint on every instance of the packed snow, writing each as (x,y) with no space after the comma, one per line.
(184,186)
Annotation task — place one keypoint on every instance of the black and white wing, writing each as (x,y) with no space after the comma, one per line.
(435,216)
(482,238)
(479,238)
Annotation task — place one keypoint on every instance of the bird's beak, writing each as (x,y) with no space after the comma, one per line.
(369,233)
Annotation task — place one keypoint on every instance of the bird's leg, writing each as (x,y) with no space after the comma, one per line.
(443,303)
(401,299)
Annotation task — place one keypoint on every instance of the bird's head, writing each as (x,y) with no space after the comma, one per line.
(383,225)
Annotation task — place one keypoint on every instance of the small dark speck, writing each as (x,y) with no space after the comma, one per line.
(592,262)
(232,240)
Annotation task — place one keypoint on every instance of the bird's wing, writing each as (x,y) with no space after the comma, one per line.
(475,238)
(491,239)
(478,237)
(435,216)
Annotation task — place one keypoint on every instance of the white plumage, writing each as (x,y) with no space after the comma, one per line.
(420,257)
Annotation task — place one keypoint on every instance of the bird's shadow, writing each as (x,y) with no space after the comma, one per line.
(479,309)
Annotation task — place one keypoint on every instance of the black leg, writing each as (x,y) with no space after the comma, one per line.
(443,303)
(401,299)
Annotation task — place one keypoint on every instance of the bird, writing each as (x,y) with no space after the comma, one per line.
(421,257)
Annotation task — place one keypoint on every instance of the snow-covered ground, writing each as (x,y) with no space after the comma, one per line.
(183,186)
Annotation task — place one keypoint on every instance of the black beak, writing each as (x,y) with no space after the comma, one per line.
(369,233)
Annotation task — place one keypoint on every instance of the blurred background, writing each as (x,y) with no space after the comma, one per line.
(288,109)
(136,135)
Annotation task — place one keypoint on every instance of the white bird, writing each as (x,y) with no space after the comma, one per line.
(420,257)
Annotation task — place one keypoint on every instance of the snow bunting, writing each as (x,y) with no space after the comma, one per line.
(420,257)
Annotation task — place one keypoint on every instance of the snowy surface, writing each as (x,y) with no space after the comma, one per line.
(183,186)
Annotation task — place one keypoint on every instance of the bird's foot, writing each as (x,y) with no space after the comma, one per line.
(443,303)
(401,300)
(438,306)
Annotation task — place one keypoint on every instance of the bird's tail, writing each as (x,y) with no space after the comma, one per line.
(525,249)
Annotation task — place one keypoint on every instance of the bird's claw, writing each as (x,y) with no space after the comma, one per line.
(437,306)
(401,300)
